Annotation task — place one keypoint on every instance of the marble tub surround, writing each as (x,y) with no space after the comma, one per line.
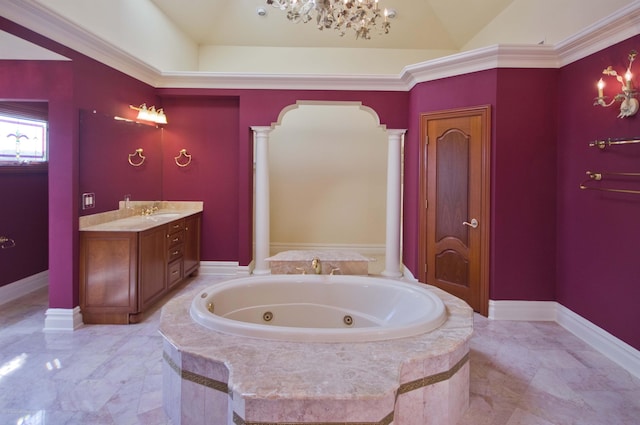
(534,373)
(336,261)
(210,377)
(124,218)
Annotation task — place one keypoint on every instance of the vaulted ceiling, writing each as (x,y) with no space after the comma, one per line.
(230,37)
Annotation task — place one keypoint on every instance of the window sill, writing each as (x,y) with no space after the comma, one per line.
(9,168)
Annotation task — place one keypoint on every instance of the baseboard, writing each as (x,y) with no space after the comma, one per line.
(523,310)
(22,287)
(607,344)
(613,348)
(62,319)
(222,268)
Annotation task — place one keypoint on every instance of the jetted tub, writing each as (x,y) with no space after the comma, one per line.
(319,308)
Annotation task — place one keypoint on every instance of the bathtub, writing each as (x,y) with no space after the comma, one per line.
(319,308)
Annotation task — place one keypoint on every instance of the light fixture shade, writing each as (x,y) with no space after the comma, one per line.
(150,114)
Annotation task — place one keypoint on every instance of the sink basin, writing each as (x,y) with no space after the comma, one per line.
(165,215)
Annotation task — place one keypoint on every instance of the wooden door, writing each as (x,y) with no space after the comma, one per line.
(454,197)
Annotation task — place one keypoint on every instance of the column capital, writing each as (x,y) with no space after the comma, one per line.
(261,129)
(396,131)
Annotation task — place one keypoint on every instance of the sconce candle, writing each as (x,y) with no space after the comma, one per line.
(628,102)
(600,88)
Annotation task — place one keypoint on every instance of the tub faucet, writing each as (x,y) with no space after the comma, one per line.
(316,266)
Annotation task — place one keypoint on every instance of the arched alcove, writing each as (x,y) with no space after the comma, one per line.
(330,174)
(327,179)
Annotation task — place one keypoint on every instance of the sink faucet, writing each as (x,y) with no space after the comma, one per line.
(316,266)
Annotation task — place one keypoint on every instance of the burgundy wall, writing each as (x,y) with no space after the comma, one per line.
(23,218)
(105,146)
(598,232)
(523,227)
(549,240)
(257,108)
(207,127)
(523,173)
(68,86)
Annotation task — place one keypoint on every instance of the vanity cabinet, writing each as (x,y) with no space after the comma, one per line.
(125,273)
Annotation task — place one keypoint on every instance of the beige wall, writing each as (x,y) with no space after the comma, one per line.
(327,172)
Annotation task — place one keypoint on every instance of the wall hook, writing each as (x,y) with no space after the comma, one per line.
(138,152)
(6,242)
(183,152)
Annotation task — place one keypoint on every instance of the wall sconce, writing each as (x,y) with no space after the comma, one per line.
(150,114)
(629,104)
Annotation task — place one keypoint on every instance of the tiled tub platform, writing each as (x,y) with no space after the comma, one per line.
(331,261)
(219,379)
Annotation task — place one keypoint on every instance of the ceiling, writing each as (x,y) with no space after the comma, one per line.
(173,43)
(419,24)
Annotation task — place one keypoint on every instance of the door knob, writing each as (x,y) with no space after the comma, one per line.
(473,224)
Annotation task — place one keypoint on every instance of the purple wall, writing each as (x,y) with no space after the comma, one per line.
(598,232)
(67,86)
(254,107)
(549,240)
(207,127)
(522,168)
(23,218)
(105,146)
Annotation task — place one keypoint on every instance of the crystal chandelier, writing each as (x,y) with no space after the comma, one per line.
(364,17)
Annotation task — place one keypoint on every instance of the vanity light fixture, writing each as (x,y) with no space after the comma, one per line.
(150,114)
(628,102)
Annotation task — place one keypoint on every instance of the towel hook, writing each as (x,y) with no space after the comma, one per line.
(6,242)
(138,152)
(183,152)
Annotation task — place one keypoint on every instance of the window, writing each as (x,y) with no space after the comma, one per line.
(22,140)
(23,133)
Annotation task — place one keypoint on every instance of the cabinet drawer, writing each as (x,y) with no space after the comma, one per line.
(174,272)
(176,238)
(175,253)
(175,226)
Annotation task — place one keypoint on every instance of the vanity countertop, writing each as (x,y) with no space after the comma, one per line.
(130,219)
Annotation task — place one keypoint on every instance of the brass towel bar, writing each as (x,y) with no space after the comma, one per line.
(183,153)
(608,142)
(599,176)
(137,153)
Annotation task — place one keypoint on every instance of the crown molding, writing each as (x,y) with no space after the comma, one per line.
(38,18)
(217,80)
(617,27)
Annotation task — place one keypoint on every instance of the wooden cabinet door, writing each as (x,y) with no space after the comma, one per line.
(192,244)
(152,266)
(108,276)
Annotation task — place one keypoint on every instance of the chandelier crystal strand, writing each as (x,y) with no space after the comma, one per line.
(364,17)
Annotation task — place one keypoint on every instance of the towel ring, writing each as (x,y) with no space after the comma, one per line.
(183,152)
(138,152)
(6,242)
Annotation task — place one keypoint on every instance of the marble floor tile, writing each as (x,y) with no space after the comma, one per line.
(522,373)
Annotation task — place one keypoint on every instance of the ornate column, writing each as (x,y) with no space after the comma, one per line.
(261,141)
(394,203)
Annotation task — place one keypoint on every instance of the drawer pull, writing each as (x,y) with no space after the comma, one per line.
(176,239)
(174,272)
(176,252)
(176,226)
